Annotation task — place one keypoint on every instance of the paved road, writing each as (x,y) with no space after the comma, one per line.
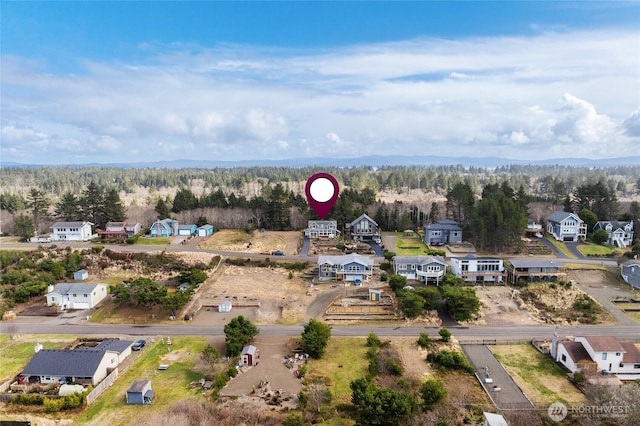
(573,248)
(505,393)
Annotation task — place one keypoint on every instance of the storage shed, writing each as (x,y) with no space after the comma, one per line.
(225,306)
(140,392)
(249,356)
(205,230)
(81,275)
(375,295)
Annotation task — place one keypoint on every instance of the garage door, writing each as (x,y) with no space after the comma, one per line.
(80,305)
(567,239)
(352,277)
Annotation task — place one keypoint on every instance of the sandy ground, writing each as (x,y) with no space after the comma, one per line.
(257,242)
(499,308)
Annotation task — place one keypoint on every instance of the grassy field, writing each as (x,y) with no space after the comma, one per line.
(594,250)
(560,246)
(345,351)
(16,353)
(155,241)
(170,385)
(537,375)
(633,315)
(225,238)
(409,246)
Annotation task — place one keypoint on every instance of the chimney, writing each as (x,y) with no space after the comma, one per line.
(554,346)
(50,288)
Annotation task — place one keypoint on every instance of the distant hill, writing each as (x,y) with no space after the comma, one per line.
(374,160)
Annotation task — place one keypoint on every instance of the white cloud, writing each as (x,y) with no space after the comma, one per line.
(554,94)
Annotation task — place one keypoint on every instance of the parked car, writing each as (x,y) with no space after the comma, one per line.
(277,253)
(138,345)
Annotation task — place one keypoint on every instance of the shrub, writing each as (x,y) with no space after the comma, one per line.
(432,391)
(373,340)
(451,360)
(445,335)
(424,340)
(383,277)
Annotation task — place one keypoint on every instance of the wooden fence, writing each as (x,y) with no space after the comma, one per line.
(95,393)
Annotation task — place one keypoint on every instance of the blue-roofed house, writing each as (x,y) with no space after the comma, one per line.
(442,232)
(531,270)
(565,226)
(481,270)
(83,366)
(164,228)
(205,230)
(630,271)
(422,268)
(187,229)
(349,267)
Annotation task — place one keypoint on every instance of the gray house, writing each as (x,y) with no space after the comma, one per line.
(321,229)
(348,267)
(565,226)
(443,232)
(83,366)
(630,272)
(363,228)
(620,233)
(140,392)
(422,268)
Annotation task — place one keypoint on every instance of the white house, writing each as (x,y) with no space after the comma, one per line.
(71,231)
(566,226)
(321,229)
(349,267)
(479,269)
(604,353)
(421,268)
(225,306)
(620,233)
(120,347)
(76,296)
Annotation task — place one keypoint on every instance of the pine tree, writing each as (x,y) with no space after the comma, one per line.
(68,208)
(113,209)
(38,203)
(93,204)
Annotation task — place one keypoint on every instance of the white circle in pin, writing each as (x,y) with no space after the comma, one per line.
(321,190)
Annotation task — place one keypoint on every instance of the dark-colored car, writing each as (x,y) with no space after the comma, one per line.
(277,253)
(138,345)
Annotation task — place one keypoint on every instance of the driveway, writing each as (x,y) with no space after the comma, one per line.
(376,248)
(573,248)
(304,251)
(553,248)
(509,396)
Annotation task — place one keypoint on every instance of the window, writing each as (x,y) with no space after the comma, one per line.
(618,354)
(86,295)
(636,366)
(564,358)
(604,355)
(75,295)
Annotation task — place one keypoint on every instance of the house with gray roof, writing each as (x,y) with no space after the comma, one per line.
(630,271)
(83,366)
(349,267)
(620,233)
(164,228)
(442,232)
(567,227)
(121,347)
(76,295)
(321,229)
(533,270)
(426,269)
(71,231)
(481,270)
(363,228)
(140,392)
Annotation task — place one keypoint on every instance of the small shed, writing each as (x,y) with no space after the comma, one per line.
(184,286)
(375,295)
(249,356)
(205,230)
(81,275)
(225,306)
(140,392)
(492,419)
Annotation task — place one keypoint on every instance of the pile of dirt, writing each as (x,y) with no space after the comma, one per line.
(551,302)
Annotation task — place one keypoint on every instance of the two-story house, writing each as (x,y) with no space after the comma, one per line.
(620,233)
(442,232)
(364,229)
(321,229)
(532,270)
(479,269)
(71,231)
(630,271)
(164,228)
(76,296)
(119,230)
(349,267)
(565,226)
(603,353)
(534,229)
(426,269)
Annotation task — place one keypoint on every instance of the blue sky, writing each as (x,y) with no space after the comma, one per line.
(144,81)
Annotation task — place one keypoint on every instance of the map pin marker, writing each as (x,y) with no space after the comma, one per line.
(322,191)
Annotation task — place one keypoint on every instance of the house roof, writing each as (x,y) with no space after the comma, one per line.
(115,224)
(75,363)
(206,227)
(495,419)
(473,256)
(186,226)
(114,345)
(536,263)
(363,216)
(559,216)
(320,222)
(249,350)
(604,343)
(632,353)
(615,224)
(226,303)
(138,385)
(418,260)
(74,288)
(70,224)
(451,225)
(82,271)
(576,351)
(345,258)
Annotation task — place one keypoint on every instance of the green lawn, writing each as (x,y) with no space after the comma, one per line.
(169,385)
(594,250)
(155,241)
(406,246)
(537,375)
(560,246)
(16,353)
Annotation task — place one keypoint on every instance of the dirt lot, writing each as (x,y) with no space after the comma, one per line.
(257,242)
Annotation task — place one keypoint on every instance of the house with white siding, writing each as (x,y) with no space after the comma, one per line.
(349,267)
(565,226)
(321,229)
(71,231)
(76,295)
(620,233)
(481,270)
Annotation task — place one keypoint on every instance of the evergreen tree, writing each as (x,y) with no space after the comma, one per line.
(24,227)
(38,203)
(434,213)
(113,209)
(93,204)
(68,208)
(162,209)
(184,200)
(277,209)
(460,202)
